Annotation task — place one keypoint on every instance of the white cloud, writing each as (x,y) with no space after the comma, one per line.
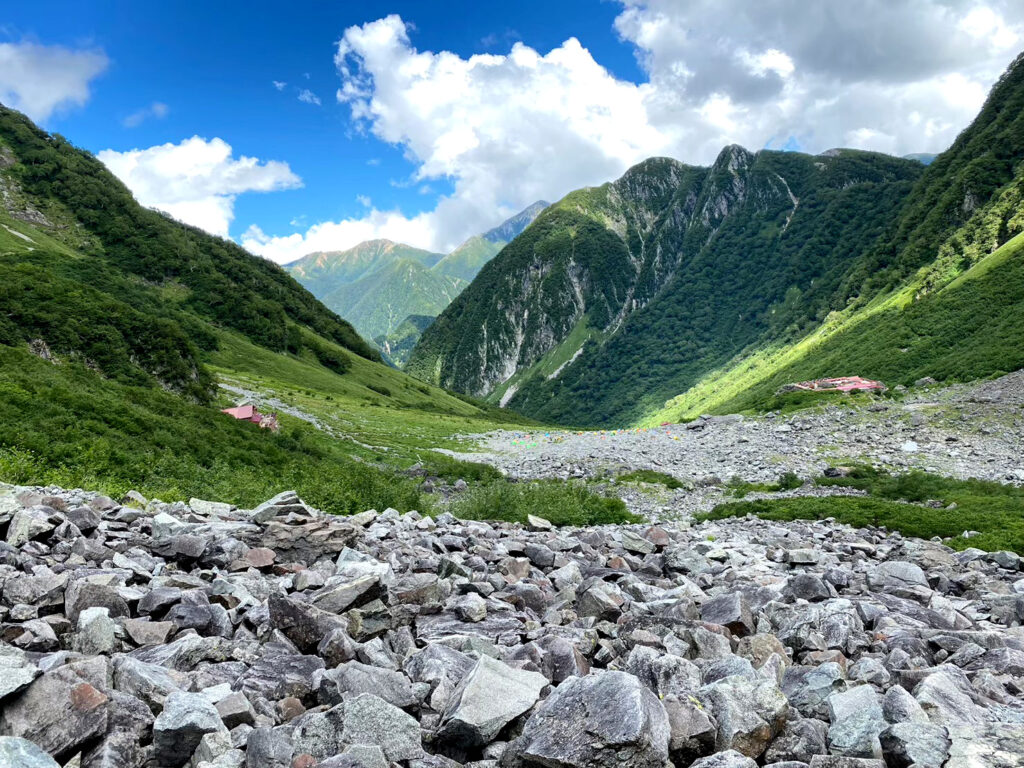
(504,130)
(307,96)
(279,84)
(156,110)
(196,181)
(39,79)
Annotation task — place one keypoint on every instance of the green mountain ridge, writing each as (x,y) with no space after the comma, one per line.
(392,292)
(378,283)
(712,282)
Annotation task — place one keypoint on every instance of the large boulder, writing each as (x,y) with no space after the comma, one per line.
(16,752)
(491,696)
(856,722)
(370,720)
(749,712)
(604,720)
(729,610)
(63,710)
(177,731)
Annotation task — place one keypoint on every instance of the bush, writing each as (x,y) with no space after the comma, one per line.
(651,476)
(451,469)
(563,503)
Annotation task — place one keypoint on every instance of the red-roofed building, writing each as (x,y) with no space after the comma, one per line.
(248,412)
(842,384)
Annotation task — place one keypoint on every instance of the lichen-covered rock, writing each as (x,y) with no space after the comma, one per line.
(489,698)
(602,720)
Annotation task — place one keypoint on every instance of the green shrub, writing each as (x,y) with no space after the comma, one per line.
(563,503)
(651,476)
(451,469)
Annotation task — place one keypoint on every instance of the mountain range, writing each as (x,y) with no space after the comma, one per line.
(678,289)
(377,285)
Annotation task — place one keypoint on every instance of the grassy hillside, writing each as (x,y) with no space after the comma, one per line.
(377,284)
(398,345)
(323,271)
(211,278)
(116,324)
(677,290)
(466,261)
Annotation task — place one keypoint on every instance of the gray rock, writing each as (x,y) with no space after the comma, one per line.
(489,698)
(16,671)
(178,729)
(749,713)
(947,697)
(603,720)
(729,610)
(368,719)
(799,740)
(692,729)
(22,753)
(856,722)
(354,677)
(319,734)
(268,748)
(96,632)
(915,744)
(898,706)
(809,688)
(235,709)
(62,710)
(727,759)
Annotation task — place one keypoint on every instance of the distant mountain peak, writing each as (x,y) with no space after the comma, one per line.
(509,229)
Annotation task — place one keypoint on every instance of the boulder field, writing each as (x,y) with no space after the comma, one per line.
(149,635)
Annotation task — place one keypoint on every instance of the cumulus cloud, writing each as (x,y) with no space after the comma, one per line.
(308,97)
(157,110)
(40,79)
(504,130)
(279,84)
(197,180)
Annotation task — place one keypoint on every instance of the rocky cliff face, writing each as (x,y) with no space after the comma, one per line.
(656,277)
(150,635)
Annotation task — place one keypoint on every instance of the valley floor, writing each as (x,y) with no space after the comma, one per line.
(974,431)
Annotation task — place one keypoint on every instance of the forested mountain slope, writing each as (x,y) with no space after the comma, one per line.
(941,294)
(618,296)
(707,282)
(123,288)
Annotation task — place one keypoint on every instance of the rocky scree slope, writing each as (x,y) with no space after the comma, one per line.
(146,635)
(638,287)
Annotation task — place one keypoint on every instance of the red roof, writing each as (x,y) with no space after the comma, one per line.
(244,412)
(842,384)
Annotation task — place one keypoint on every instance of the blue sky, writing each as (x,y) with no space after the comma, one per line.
(213,65)
(432,142)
